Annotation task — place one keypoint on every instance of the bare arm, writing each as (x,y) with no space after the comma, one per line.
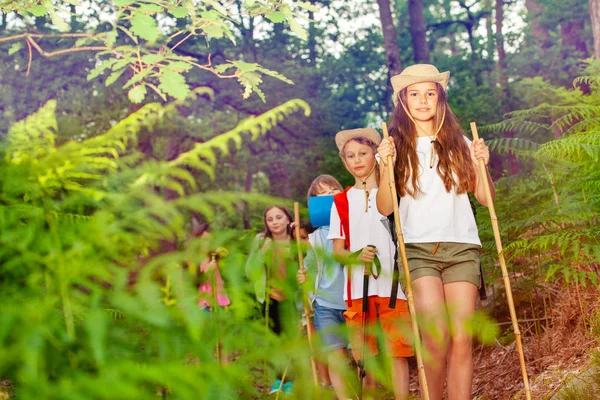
(343,256)
(479,151)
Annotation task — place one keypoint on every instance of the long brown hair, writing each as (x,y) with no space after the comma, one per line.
(452,150)
(266,232)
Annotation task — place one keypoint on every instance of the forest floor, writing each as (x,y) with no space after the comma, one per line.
(557,346)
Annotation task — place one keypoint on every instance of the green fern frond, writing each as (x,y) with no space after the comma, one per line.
(576,114)
(202,156)
(541,111)
(581,147)
(33,137)
(583,125)
(514,145)
(593,81)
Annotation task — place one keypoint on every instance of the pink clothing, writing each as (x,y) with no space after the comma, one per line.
(205,288)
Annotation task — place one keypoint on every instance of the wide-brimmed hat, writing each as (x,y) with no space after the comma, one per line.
(342,137)
(415,74)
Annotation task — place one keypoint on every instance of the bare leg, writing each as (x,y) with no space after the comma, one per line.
(430,308)
(337,360)
(369,386)
(461,298)
(400,377)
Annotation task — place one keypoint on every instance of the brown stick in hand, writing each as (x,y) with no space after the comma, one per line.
(507,287)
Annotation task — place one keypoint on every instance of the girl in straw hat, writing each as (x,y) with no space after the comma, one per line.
(435,169)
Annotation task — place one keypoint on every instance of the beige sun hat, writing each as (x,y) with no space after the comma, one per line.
(342,137)
(415,74)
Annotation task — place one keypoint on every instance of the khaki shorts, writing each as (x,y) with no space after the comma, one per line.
(451,262)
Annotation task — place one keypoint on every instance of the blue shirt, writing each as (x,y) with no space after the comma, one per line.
(330,274)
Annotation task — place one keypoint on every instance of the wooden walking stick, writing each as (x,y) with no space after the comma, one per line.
(365,313)
(507,287)
(313,364)
(409,292)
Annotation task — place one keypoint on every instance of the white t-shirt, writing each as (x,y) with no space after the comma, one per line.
(436,215)
(366,228)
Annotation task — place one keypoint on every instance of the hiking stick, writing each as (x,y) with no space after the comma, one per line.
(509,297)
(313,364)
(365,311)
(409,292)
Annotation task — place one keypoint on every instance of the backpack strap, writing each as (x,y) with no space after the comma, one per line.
(396,269)
(343,208)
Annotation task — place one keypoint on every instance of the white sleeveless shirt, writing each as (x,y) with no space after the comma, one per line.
(436,215)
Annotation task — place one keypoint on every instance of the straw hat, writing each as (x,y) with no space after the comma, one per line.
(418,73)
(342,137)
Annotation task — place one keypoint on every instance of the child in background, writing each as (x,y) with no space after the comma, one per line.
(267,267)
(211,289)
(328,297)
(435,168)
(358,233)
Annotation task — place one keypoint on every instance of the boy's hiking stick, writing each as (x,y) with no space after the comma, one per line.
(365,313)
(409,292)
(313,364)
(507,287)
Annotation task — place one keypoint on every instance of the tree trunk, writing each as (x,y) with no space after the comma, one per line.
(573,37)
(501,56)
(390,41)
(489,28)
(538,31)
(513,163)
(418,31)
(474,57)
(312,38)
(595,16)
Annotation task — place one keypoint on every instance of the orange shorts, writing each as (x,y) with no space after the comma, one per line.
(395,324)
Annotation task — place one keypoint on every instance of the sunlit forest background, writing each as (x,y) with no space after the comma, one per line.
(123,122)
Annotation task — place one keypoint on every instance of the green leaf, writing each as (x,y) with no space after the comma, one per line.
(128,33)
(276,17)
(173,84)
(38,11)
(14,48)
(99,69)
(137,94)
(152,58)
(83,42)
(114,76)
(138,77)
(211,15)
(111,38)
(179,12)
(121,3)
(219,69)
(60,23)
(180,66)
(297,29)
(153,8)
(144,26)
(307,6)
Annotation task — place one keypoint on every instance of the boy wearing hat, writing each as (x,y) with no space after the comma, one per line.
(359,233)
